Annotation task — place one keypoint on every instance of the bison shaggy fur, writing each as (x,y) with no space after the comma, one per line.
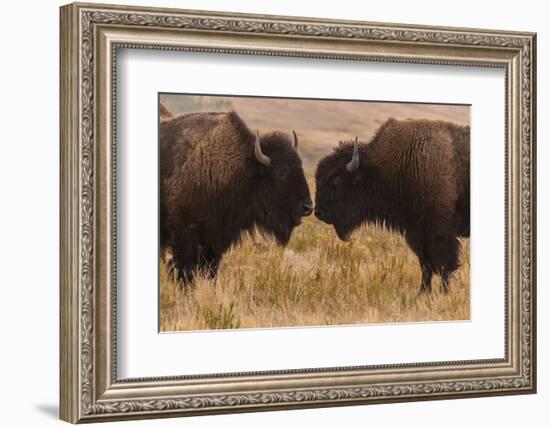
(213,187)
(412,177)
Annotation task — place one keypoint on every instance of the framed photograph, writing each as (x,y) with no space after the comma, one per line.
(265,212)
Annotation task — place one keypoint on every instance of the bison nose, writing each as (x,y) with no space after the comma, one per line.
(307,208)
(318,212)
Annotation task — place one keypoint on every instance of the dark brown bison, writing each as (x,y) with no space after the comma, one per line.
(414,178)
(218,179)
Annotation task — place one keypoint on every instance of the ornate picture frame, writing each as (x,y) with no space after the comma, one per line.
(90,37)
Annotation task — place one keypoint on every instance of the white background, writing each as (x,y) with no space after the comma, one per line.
(141,346)
(29,171)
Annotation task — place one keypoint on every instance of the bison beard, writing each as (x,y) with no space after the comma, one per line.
(219,180)
(413,178)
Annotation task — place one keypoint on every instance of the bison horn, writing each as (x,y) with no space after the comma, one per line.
(262,158)
(354,163)
(295,145)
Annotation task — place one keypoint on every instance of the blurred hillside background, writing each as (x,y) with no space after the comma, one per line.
(319,124)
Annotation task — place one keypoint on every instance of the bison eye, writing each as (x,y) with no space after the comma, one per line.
(335,181)
(280,173)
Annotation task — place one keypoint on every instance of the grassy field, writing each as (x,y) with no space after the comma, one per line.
(317,279)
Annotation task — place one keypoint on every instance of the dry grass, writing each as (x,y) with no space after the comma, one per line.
(316,279)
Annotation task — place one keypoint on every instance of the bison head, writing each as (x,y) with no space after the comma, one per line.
(342,182)
(281,194)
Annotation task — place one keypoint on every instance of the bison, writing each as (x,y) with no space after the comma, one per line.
(217,180)
(414,178)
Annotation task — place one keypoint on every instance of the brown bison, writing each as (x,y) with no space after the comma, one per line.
(412,177)
(218,179)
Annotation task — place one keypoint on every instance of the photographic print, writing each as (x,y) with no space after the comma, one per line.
(282,212)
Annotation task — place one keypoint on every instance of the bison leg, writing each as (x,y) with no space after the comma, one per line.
(186,270)
(209,261)
(445,282)
(186,256)
(444,250)
(426,286)
(418,245)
